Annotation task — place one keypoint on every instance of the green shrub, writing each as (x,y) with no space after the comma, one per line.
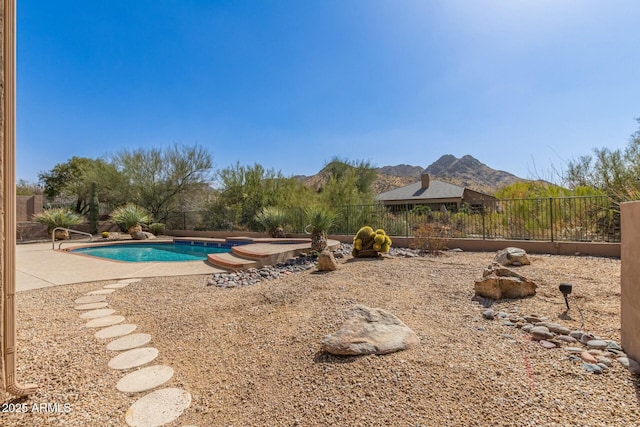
(157,228)
(58,217)
(273,220)
(130,216)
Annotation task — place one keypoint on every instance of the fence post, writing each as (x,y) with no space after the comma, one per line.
(551,217)
(406,220)
(484,208)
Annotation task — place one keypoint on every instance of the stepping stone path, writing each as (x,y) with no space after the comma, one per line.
(94,314)
(128,342)
(101,322)
(596,355)
(156,408)
(116,331)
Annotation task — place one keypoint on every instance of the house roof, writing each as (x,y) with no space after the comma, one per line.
(436,190)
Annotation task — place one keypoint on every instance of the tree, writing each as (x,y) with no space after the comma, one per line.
(157,178)
(26,188)
(614,172)
(350,183)
(74,179)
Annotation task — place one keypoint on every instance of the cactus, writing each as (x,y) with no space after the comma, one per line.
(369,243)
(93,210)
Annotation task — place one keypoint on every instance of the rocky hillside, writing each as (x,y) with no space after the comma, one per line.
(466,172)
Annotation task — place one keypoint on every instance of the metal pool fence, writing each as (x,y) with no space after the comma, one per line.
(582,219)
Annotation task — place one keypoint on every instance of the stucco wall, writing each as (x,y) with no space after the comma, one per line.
(630,279)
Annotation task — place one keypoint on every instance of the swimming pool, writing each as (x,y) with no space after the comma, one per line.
(155,252)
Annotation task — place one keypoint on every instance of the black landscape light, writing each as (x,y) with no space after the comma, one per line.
(565,288)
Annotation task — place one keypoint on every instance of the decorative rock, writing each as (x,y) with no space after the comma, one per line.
(101,292)
(488,314)
(540,333)
(158,408)
(547,344)
(613,345)
(91,306)
(567,339)
(555,327)
(585,338)
(576,334)
(630,364)
(508,323)
(604,360)
(574,358)
(90,299)
(132,358)
(502,315)
(512,256)
(499,282)
(532,319)
(589,358)
(590,367)
(527,327)
(576,350)
(128,342)
(597,344)
(101,322)
(326,261)
(115,331)
(94,314)
(604,367)
(369,331)
(145,379)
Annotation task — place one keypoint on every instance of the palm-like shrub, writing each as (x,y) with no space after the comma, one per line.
(272,220)
(130,217)
(321,220)
(58,217)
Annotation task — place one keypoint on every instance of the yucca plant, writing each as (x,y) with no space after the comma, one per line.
(130,217)
(320,222)
(273,220)
(58,217)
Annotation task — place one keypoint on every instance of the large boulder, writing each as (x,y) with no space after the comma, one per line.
(499,282)
(326,261)
(512,256)
(369,331)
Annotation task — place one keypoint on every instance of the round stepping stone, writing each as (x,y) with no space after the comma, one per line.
(158,407)
(101,292)
(116,286)
(128,342)
(101,322)
(132,358)
(91,306)
(94,314)
(116,331)
(89,299)
(128,281)
(145,379)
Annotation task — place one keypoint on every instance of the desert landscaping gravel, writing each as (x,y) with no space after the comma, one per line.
(249,355)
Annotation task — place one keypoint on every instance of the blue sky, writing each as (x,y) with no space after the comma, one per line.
(523,86)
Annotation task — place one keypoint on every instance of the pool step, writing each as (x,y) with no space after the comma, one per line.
(230,261)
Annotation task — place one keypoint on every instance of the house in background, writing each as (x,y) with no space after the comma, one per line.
(436,195)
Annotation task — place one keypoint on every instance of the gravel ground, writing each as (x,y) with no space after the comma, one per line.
(250,356)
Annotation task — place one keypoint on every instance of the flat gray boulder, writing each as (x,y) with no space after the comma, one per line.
(369,331)
(499,282)
(512,256)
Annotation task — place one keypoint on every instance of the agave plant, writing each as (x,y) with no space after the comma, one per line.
(320,221)
(273,220)
(130,217)
(58,217)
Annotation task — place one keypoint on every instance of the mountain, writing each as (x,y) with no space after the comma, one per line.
(466,172)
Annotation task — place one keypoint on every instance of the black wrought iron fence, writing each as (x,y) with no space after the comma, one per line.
(585,219)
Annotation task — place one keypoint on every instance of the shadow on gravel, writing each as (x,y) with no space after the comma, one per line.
(324,357)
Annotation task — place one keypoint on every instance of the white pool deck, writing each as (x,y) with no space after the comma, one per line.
(39,266)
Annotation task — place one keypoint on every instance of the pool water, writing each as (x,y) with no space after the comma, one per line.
(150,252)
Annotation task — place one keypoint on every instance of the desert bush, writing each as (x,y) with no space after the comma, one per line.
(157,228)
(430,238)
